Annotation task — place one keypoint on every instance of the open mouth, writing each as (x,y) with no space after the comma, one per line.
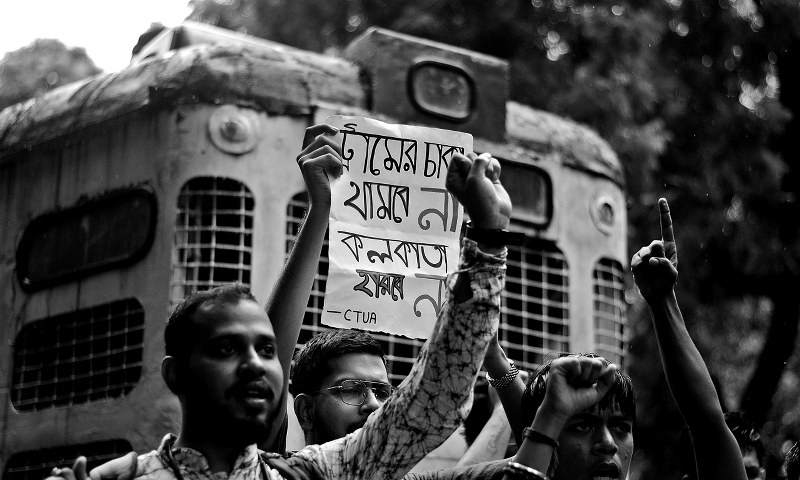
(254,394)
(606,471)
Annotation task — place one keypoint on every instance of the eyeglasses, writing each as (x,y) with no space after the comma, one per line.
(354,392)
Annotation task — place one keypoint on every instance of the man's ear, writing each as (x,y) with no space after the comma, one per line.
(171,371)
(304,409)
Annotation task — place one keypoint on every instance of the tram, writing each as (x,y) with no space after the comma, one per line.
(126,191)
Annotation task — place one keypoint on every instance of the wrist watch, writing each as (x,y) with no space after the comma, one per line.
(494,237)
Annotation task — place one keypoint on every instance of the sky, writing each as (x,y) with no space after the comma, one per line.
(107,29)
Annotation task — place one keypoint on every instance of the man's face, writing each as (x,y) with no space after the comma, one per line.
(233,379)
(595,444)
(333,418)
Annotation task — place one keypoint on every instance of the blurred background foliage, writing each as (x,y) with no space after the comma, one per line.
(700,100)
(41,66)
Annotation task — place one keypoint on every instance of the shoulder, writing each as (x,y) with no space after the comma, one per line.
(293,465)
(309,453)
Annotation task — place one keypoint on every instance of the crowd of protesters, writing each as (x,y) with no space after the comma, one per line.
(228,361)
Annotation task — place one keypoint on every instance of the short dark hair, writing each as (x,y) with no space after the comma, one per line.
(311,363)
(621,393)
(745,432)
(178,334)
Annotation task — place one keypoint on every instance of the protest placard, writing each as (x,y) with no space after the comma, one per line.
(394,228)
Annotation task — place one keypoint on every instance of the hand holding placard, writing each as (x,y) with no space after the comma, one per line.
(394,226)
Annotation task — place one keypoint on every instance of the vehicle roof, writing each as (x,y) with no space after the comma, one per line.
(266,76)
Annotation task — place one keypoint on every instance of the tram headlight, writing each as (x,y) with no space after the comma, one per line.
(441,89)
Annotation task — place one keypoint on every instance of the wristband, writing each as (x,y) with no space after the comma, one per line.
(539,437)
(505,380)
(494,237)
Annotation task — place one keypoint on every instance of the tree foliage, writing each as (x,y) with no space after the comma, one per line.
(699,99)
(39,67)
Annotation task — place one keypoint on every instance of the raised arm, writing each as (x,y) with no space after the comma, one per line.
(434,399)
(655,269)
(319,160)
(507,383)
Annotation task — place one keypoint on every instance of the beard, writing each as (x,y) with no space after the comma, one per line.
(235,425)
(253,431)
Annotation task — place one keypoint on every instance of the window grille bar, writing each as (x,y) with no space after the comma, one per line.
(609,310)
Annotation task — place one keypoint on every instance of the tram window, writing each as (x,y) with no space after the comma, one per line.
(103,233)
(36,464)
(609,310)
(400,351)
(78,357)
(534,318)
(531,192)
(213,241)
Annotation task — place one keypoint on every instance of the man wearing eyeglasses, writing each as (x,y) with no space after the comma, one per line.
(338,379)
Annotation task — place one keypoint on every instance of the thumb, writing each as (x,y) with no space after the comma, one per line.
(606,380)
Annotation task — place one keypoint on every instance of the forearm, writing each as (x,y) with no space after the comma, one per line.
(539,455)
(511,398)
(491,442)
(497,365)
(684,368)
(287,304)
(462,289)
(715,448)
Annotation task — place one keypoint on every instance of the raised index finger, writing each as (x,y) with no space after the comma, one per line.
(667,235)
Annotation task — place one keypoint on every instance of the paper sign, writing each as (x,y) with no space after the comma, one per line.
(394,228)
